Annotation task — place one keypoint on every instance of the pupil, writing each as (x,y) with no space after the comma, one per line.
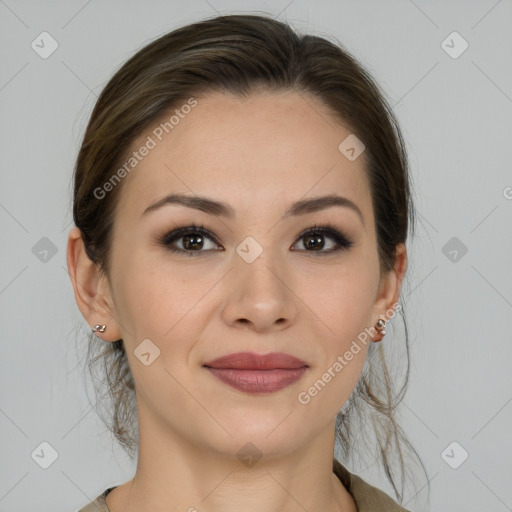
(192,241)
(314,241)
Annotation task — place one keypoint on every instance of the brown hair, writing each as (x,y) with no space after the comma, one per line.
(240,54)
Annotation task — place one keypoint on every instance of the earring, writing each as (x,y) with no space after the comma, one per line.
(99,328)
(381,327)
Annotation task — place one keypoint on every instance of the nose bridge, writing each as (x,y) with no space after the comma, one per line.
(258,292)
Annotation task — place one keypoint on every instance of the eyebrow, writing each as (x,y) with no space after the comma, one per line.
(217,208)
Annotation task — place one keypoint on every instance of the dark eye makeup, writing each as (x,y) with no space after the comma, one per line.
(194,235)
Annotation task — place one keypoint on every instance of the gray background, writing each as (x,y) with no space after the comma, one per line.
(456,115)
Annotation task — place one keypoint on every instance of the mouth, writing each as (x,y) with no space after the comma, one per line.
(254,373)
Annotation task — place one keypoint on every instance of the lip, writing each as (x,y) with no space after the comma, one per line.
(253,361)
(254,373)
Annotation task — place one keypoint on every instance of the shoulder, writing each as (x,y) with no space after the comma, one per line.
(367,497)
(98,505)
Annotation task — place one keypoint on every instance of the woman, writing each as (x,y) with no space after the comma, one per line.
(242,202)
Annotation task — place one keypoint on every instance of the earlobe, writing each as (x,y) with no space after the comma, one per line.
(90,288)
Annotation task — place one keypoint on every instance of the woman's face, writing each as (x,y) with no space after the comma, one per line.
(251,282)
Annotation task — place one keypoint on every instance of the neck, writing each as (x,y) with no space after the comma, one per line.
(174,473)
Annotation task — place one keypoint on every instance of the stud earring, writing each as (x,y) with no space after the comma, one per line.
(99,328)
(381,328)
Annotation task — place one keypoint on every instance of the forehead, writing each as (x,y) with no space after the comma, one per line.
(272,147)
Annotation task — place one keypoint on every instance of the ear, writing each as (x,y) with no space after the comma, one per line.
(389,288)
(91,287)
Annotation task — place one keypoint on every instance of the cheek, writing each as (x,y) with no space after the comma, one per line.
(343,303)
(160,300)
(341,299)
(155,305)
(334,379)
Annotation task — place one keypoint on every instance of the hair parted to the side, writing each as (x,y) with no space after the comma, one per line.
(240,55)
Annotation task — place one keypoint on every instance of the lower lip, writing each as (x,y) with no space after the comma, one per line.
(258,381)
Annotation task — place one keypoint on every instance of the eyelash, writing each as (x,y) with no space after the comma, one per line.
(343,243)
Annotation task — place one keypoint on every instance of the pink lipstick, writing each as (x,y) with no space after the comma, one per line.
(254,373)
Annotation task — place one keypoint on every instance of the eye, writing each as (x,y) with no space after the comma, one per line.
(314,240)
(193,240)
(190,240)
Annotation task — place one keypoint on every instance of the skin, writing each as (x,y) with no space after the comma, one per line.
(258,155)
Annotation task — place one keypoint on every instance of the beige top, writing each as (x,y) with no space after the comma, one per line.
(367,497)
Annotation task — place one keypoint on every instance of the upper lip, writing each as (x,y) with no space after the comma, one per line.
(253,361)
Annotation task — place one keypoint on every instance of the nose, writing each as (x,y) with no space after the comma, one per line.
(260,296)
